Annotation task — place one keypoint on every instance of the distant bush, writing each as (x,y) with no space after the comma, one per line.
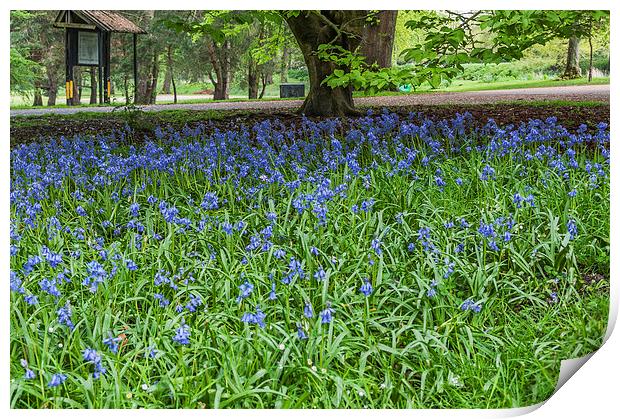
(517,70)
(298,73)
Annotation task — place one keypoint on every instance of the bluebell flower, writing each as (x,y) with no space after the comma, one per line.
(31,263)
(57,379)
(131,265)
(572,228)
(469,304)
(151,352)
(31,300)
(279,253)
(272,294)
(96,276)
(134,209)
(314,251)
(64,316)
(81,212)
(29,374)
(487,173)
(300,332)
(16,283)
(54,259)
(366,288)
(375,244)
(246,289)
(210,201)
(112,342)
(193,304)
(182,335)
(327,314)
(320,274)
(227,228)
(308,312)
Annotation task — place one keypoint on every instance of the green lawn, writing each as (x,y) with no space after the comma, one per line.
(272,91)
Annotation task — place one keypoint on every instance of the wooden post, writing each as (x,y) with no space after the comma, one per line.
(135,67)
(106,65)
(68,71)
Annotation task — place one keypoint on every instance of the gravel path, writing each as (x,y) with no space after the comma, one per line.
(569,93)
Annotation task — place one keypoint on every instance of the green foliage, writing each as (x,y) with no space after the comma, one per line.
(23,72)
(453,39)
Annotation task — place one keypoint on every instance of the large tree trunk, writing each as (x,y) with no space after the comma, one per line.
(93,85)
(311,30)
(572,70)
(378,40)
(220,61)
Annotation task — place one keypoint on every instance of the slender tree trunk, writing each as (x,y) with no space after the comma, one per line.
(264,83)
(126,89)
(174,86)
(572,70)
(168,76)
(590,66)
(37,99)
(93,85)
(284,64)
(77,87)
(310,31)
(378,39)
(155,72)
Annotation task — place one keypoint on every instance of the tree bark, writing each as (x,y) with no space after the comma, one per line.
(93,85)
(378,39)
(572,70)
(342,28)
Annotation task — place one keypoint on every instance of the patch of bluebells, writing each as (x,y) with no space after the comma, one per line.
(297,164)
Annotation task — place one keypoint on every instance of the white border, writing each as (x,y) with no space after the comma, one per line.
(591,393)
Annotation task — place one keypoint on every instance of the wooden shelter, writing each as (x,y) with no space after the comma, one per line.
(87,43)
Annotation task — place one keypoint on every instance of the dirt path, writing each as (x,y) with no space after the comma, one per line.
(569,93)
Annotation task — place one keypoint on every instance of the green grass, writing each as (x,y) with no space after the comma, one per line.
(473,86)
(397,348)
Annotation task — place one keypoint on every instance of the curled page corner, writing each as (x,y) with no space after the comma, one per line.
(568,367)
